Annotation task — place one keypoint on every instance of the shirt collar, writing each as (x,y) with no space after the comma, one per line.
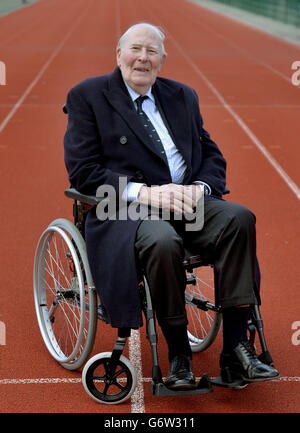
(134,95)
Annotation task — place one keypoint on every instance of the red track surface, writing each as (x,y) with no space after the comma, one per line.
(53,44)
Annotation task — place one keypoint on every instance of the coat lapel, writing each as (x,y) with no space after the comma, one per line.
(172,103)
(172,106)
(120,100)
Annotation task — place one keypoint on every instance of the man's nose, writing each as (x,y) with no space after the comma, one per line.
(143,55)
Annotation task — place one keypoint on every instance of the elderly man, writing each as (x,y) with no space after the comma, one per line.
(133,125)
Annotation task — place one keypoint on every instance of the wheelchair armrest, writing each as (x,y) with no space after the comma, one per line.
(88,199)
(93,200)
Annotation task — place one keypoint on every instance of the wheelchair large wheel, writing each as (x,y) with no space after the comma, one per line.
(204,324)
(64,294)
(106,384)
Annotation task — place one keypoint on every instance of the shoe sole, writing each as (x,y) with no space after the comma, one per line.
(241,386)
(259,379)
(181,386)
(245,379)
(226,374)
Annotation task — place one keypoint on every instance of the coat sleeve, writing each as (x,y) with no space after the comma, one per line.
(82,147)
(211,167)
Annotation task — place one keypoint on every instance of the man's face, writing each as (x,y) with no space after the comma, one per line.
(140,58)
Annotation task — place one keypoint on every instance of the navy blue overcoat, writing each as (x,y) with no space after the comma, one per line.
(104,141)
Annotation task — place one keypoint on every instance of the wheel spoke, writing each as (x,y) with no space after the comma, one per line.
(122,388)
(117,373)
(107,385)
(203,325)
(116,388)
(60,294)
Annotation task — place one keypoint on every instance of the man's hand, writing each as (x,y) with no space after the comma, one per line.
(180,199)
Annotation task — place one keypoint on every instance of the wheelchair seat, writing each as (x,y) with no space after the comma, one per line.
(190,260)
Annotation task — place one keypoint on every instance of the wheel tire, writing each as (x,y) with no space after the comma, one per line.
(104,392)
(64,294)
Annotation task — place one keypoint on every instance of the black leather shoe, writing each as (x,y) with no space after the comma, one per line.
(243,363)
(180,375)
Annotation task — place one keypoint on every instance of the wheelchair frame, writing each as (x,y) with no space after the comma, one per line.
(114,362)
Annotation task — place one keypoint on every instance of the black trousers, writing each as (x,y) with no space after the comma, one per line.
(227,240)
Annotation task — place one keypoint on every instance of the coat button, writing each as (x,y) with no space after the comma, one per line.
(139,175)
(123,139)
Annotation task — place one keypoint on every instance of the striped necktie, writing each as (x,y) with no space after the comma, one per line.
(150,128)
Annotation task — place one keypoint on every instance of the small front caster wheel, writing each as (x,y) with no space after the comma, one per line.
(105,385)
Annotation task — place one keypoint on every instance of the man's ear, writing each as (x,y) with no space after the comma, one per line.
(163,59)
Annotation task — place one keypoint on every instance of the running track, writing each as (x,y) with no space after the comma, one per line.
(250,107)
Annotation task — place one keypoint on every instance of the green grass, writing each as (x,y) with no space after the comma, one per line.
(11,5)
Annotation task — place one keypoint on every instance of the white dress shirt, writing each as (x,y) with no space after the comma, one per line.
(177,165)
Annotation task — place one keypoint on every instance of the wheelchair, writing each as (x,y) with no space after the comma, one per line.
(68,313)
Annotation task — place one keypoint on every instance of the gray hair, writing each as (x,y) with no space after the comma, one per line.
(158,30)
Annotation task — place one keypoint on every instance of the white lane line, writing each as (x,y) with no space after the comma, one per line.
(137,399)
(290,183)
(42,380)
(69,380)
(242,50)
(41,72)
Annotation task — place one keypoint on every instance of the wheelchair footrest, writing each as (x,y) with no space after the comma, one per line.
(236,383)
(203,387)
